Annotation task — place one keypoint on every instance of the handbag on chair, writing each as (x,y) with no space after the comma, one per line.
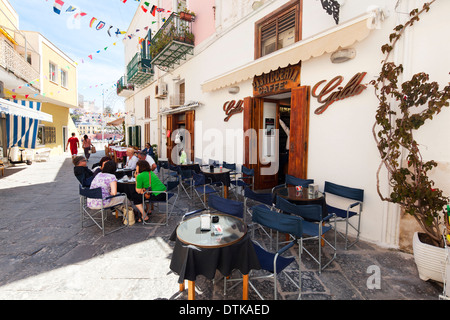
(129,214)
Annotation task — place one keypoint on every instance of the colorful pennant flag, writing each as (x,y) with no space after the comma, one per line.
(58,6)
(71,9)
(145,6)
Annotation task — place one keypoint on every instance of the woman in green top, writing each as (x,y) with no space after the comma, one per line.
(145,178)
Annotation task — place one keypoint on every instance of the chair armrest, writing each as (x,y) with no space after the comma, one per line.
(285,248)
(117,195)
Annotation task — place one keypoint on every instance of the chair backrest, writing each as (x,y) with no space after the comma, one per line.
(171,185)
(306,211)
(231,207)
(231,166)
(291,180)
(199,179)
(265,198)
(278,221)
(343,191)
(164,164)
(91,193)
(247,171)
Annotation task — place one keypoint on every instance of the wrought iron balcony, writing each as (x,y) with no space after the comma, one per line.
(124,89)
(140,70)
(172,43)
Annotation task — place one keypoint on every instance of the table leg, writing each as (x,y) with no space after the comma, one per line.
(182,286)
(225,192)
(245,287)
(191,290)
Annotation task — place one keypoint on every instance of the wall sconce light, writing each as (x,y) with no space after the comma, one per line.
(343,55)
(233,90)
(257,4)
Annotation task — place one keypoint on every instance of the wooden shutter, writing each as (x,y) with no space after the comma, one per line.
(169,142)
(190,120)
(299,131)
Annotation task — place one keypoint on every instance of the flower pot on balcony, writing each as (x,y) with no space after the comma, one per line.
(186,16)
(431,261)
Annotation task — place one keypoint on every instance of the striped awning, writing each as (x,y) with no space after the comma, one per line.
(22,122)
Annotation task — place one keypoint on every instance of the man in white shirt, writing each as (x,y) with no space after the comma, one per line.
(143,156)
(131,159)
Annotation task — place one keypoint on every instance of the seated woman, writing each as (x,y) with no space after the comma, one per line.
(107,181)
(148,150)
(82,172)
(99,168)
(145,178)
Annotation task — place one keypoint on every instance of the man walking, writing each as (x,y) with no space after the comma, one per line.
(74,145)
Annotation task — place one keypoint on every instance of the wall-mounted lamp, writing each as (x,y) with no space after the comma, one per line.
(257,4)
(343,55)
(233,90)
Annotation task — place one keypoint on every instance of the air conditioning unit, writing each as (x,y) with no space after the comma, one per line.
(161,90)
(286,38)
(269,47)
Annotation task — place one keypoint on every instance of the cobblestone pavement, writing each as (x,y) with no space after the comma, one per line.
(45,254)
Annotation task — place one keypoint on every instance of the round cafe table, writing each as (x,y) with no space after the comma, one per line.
(198,252)
(302,197)
(219,175)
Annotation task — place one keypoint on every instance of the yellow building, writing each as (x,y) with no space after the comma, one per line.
(58,93)
(35,73)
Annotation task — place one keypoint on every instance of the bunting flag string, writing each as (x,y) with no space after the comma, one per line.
(99,24)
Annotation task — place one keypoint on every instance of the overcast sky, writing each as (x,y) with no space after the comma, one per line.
(78,40)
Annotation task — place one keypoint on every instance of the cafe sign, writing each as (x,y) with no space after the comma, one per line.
(328,94)
(232,107)
(278,81)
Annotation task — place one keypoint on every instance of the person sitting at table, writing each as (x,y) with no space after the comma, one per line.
(82,172)
(143,156)
(99,168)
(107,181)
(145,178)
(148,150)
(131,159)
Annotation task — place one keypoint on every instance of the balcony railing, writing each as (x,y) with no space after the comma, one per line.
(124,89)
(139,70)
(13,62)
(176,100)
(173,42)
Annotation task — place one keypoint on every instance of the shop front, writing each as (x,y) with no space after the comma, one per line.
(278,114)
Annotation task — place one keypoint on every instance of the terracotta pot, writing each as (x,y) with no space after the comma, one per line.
(185,16)
(430,260)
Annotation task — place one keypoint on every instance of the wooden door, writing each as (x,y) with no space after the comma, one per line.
(253,137)
(299,131)
(169,143)
(189,143)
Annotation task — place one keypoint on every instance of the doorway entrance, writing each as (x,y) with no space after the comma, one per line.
(278,113)
(182,123)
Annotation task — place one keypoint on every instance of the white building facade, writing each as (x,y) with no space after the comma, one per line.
(264,62)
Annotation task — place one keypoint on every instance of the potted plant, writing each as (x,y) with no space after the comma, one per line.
(186,14)
(403,109)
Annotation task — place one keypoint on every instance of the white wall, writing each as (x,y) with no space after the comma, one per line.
(341,145)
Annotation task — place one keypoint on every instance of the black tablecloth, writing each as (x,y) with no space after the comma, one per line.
(223,177)
(189,261)
(120,174)
(130,190)
(193,166)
